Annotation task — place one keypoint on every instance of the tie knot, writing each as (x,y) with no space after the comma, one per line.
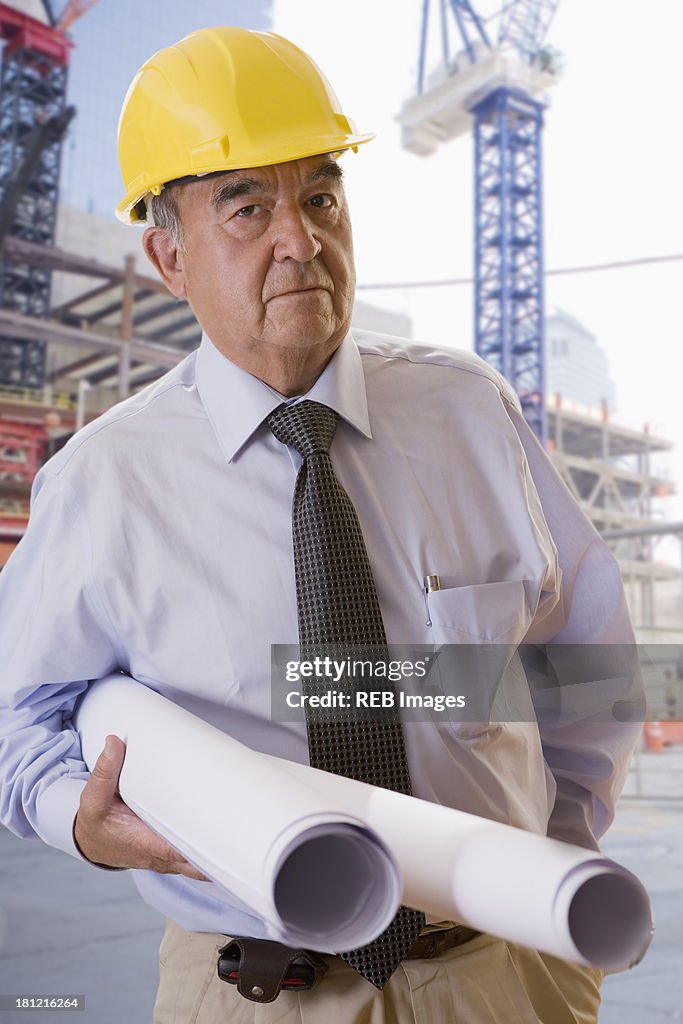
(307,426)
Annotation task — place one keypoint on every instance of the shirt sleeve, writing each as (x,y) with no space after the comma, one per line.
(54,638)
(590,653)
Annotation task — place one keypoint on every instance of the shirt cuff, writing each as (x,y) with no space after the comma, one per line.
(55,810)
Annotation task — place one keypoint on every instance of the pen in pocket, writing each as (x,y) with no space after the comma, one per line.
(430,584)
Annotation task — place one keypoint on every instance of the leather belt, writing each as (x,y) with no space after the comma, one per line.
(261,969)
(430,945)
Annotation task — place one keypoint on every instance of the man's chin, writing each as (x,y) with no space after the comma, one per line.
(307,336)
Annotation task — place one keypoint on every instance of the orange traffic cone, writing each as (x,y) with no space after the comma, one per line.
(654,737)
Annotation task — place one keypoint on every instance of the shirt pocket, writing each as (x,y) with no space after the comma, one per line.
(490,619)
(484,613)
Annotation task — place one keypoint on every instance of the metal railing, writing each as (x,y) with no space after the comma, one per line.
(37,396)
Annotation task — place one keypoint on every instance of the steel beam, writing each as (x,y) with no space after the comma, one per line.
(50,332)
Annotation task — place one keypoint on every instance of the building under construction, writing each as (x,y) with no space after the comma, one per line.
(608,468)
(82,325)
(112,329)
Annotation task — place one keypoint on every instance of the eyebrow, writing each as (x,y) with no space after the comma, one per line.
(330,169)
(234,188)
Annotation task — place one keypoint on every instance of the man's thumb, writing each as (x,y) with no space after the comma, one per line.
(108,765)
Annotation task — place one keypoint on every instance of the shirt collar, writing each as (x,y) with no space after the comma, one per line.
(237,403)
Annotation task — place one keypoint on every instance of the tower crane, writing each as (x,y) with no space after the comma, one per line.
(492,84)
(33,118)
(74,10)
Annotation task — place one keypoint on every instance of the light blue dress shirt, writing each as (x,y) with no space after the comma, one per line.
(160,545)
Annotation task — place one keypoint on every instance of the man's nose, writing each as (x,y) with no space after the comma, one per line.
(294,235)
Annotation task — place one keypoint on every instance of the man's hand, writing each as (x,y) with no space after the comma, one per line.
(109,833)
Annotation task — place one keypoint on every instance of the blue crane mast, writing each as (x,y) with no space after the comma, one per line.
(490,84)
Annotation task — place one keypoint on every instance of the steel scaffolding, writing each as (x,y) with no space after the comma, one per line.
(32,94)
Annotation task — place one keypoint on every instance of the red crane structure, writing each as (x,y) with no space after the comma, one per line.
(34,116)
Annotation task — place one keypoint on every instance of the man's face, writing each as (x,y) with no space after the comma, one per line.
(267,263)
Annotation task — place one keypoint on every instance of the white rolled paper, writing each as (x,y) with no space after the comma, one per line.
(235,814)
(525,888)
(314,861)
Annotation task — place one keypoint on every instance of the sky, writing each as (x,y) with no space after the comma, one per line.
(613,155)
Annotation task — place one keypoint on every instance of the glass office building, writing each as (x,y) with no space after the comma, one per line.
(577,368)
(111,42)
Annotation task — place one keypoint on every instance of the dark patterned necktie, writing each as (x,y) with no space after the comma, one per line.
(339,611)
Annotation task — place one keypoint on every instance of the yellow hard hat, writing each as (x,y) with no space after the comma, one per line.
(222,99)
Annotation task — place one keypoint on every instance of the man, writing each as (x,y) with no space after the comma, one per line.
(161,543)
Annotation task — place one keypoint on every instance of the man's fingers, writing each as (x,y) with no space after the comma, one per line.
(109,832)
(165,859)
(104,778)
(175,864)
(184,867)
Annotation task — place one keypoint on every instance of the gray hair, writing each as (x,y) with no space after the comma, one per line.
(162,212)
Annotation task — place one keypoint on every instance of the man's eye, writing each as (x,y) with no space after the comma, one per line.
(321,201)
(248,211)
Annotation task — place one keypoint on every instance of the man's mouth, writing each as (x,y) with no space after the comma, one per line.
(300,291)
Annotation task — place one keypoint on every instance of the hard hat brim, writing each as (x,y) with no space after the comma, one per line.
(126,210)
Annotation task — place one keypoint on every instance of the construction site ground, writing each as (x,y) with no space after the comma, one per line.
(66,928)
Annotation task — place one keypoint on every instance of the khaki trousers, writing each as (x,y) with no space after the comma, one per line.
(485,981)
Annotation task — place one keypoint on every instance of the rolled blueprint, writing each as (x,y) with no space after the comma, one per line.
(318,877)
(525,888)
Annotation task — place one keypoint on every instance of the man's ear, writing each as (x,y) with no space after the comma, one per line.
(167,257)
